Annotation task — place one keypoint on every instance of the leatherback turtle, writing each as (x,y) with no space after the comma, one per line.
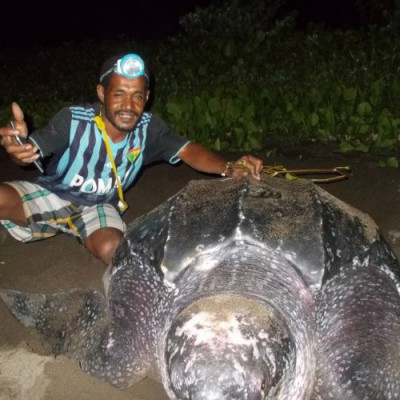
(270,289)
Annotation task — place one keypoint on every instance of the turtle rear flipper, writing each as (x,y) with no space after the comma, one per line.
(66,319)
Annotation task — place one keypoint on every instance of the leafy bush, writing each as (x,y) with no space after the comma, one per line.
(236,19)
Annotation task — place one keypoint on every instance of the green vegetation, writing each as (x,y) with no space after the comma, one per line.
(237,81)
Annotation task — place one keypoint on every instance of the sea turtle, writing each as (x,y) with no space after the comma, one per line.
(238,289)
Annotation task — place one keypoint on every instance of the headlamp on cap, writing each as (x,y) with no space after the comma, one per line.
(131,66)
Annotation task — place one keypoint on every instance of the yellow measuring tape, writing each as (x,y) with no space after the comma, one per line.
(122,204)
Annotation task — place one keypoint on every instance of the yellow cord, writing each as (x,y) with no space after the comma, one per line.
(290,174)
(122,204)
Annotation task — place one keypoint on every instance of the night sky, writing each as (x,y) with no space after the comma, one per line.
(25,23)
(41,22)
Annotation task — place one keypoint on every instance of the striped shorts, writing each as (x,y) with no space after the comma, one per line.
(48,215)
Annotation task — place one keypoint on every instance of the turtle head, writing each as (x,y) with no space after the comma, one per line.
(226,347)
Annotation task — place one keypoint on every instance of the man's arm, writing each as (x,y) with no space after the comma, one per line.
(22,155)
(204,160)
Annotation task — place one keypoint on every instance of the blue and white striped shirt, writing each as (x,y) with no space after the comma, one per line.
(77,165)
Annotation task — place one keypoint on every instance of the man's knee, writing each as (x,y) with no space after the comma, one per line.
(103,242)
(11,206)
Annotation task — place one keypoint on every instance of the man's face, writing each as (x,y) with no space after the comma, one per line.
(124,100)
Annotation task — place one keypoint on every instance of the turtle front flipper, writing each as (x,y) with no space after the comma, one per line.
(358,329)
(64,319)
(78,323)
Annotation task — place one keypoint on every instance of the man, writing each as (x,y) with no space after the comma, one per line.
(93,154)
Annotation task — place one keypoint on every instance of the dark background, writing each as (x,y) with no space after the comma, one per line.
(39,22)
(26,23)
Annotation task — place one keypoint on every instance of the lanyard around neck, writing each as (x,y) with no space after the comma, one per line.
(122,204)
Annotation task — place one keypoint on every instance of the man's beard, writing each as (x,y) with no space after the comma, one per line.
(113,122)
